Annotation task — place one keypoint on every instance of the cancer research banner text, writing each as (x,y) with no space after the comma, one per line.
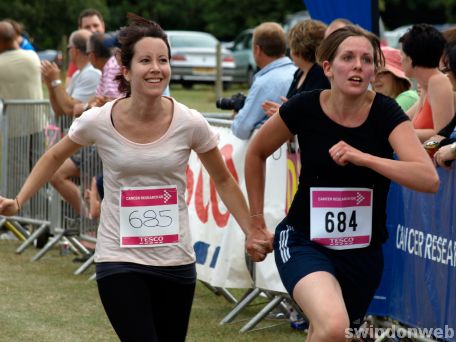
(218,240)
(419,283)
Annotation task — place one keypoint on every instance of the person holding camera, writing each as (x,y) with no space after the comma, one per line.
(270,83)
(328,247)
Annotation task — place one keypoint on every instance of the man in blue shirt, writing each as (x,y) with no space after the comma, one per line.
(270,83)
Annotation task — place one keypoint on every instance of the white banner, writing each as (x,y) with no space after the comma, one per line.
(218,240)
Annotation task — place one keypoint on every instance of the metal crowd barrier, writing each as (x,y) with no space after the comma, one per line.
(27,129)
(91,168)
(22,141)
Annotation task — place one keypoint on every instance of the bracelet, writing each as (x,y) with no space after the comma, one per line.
(255,215)
(56,83)
(18,205)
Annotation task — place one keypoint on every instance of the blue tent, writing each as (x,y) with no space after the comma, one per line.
(361,12)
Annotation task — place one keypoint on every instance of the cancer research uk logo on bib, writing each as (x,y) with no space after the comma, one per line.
(149,216)
(341,218)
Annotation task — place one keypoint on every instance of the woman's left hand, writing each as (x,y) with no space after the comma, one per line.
(343,153)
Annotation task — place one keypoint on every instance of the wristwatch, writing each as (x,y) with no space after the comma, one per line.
(56,83)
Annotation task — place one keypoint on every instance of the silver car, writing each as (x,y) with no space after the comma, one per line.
(243,57)
(193,58)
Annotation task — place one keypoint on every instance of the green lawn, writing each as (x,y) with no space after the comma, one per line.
(44,302)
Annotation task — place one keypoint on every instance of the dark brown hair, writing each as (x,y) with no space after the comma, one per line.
(329,46)
(89,12)
(128,37)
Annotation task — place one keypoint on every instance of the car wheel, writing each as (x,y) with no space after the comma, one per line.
(187,85)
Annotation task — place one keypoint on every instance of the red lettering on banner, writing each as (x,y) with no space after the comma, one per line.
(201,208)
(222,219)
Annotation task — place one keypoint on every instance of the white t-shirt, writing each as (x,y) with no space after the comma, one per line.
(126,163)
(84,83)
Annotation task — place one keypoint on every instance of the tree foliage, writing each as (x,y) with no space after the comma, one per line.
(48,22)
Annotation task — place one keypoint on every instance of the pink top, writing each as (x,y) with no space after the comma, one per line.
(159,163)
(108,86)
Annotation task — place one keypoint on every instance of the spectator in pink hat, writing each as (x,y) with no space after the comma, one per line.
(391,80)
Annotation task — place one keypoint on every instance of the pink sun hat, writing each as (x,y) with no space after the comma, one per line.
(393,62)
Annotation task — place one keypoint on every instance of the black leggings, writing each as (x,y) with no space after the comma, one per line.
(145,308)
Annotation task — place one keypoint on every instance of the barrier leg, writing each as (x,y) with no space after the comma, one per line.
(18,231)
(221,291)
(85,265)
(248,298)
(80,248)
(262,314)
(48,246)
(32,238)
(227,294)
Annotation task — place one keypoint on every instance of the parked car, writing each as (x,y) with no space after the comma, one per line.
(51,56)
(193,58)
(292,19)
(241,48)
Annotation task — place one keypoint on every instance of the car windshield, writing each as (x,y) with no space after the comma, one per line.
(201,41)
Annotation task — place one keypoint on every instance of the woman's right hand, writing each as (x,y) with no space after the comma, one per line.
(259,240)
(8,206)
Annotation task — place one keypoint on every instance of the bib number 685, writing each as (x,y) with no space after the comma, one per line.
(149,219)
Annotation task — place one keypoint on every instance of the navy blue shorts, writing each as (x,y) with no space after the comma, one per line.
(358,271)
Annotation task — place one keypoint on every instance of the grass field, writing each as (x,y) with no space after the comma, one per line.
(44,302)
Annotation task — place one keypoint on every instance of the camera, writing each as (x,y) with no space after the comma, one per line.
(235,102)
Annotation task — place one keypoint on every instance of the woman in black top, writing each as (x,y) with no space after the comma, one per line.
(303,40)
(327,249)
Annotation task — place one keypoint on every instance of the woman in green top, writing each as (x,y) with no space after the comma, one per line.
(391,80)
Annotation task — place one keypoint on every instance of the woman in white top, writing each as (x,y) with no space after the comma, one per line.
(145,260)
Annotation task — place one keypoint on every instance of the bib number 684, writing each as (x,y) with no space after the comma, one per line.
(339,221)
